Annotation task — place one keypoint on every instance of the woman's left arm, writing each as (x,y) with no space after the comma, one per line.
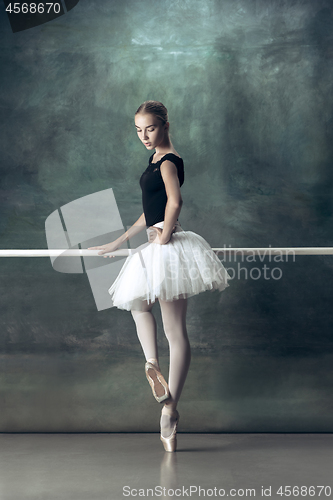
(174,202)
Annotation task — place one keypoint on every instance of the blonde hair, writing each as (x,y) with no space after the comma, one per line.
(154,108)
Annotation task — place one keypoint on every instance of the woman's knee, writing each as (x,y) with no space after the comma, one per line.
(145,307)
(135,313)
(175,332)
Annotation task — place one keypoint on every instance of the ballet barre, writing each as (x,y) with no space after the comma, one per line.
(266,251)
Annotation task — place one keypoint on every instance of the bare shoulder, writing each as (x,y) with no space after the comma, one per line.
(168,168)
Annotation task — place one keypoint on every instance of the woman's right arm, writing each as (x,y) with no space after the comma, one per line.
(138,226)
(133,230)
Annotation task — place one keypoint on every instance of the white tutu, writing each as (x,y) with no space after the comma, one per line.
(184,267)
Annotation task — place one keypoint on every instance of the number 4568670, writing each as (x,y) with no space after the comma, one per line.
(33,8)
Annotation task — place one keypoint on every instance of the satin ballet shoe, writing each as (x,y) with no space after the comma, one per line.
(170,442)
(157,382)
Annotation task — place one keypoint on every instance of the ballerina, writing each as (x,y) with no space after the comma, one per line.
(177,264)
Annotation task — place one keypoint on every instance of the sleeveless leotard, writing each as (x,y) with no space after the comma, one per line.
(154,197)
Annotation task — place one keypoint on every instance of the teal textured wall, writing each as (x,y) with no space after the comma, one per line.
(248,86)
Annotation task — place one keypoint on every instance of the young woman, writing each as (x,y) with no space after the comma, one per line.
(174,266)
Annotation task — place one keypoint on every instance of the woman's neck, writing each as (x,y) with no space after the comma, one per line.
(164,148)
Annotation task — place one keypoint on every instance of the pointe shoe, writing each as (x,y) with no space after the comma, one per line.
(157,382)
(170,442)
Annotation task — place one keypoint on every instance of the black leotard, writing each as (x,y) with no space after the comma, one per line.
(154,197)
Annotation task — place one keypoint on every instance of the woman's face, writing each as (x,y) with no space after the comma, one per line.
(150,130)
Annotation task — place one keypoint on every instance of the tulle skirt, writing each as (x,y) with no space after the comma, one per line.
(183,267)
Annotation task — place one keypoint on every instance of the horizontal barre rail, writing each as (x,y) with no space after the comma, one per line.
(126,252)
(57,253)
(278,251)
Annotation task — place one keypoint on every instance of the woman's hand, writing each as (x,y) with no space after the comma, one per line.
(156,235)
(109,247)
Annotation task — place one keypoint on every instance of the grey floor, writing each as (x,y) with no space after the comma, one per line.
(117,466)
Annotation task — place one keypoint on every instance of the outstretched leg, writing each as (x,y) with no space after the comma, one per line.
(174,324)
(146,331)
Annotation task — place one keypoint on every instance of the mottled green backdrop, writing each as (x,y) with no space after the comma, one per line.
(248,86)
